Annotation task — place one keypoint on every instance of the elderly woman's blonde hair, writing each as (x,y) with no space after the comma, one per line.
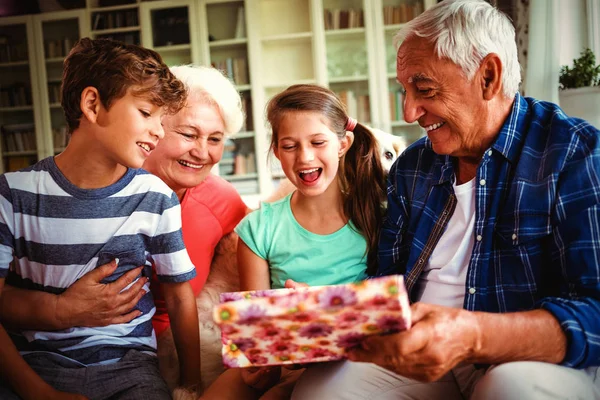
(210,84)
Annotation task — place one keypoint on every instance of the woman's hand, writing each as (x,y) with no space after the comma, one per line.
(88,302)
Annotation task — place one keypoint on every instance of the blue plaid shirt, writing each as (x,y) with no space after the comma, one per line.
(537,221)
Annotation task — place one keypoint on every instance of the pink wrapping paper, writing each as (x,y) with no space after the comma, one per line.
(315,324)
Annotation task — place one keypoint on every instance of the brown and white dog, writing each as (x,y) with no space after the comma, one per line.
(223,277)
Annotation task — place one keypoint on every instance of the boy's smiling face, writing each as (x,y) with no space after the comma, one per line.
(129,130)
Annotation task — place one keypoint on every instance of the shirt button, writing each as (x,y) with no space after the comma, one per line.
(472,290)
(514,236)
(421,261)
(479,238)
(482,182)
(490,153)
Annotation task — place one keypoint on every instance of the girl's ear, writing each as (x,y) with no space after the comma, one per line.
(345,143)
(90,103)
(276,152)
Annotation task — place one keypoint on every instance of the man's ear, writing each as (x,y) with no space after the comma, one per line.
(90,103)
(345,143)
(490,76)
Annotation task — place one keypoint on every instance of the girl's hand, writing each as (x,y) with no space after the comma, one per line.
(261,379)
(290,284)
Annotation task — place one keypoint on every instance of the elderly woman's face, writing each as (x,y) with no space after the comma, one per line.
(193,144)
(446,104)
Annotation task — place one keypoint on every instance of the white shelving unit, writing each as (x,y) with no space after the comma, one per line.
(264,45)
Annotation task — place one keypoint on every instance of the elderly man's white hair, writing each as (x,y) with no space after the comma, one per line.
(465,31)
(211,85)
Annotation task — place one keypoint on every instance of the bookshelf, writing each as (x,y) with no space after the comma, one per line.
(264,46)
(389,16)
(170,28)
(115,19)
(55,34)
(224,24)
(21,137)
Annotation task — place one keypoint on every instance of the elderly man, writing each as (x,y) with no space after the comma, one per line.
(494,218)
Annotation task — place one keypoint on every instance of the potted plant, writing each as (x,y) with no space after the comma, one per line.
(580,88)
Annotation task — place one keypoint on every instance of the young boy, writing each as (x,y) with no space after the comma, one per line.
(86,207)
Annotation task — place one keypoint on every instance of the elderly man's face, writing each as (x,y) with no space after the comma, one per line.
(193,144)
(438,95)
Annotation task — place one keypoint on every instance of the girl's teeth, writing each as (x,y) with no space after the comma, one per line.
(308,171)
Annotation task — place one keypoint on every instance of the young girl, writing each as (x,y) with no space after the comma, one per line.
(326,231)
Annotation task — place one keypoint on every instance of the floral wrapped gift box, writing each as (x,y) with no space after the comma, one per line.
(314,324)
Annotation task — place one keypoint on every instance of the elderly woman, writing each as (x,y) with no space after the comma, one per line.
(210,209)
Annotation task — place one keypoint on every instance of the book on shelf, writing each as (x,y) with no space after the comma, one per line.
(401,13)
(236,69)
(343,18)
(18,137)
(240,25)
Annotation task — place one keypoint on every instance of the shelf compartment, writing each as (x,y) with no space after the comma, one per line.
(292,16)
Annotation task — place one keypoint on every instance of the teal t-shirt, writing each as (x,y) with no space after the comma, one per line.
(292,252)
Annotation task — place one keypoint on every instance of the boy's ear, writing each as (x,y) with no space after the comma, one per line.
(345,143)
(90,103)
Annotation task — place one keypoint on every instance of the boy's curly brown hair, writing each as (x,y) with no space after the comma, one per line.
(113,68)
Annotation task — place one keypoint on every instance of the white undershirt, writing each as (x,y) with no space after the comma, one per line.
(443,279)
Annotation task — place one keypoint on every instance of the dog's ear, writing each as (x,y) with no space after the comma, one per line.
(398,144)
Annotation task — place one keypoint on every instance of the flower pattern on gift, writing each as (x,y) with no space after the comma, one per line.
(282,348)
(315,330)
(349,319)
(252,314)
(245,343)
(284,326)
(387,323)
(350,340)
(270,333)
(337,296)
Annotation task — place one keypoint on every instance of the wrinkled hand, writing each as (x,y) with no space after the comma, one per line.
(290,284)
(261,378)
(440,338)
(90,303)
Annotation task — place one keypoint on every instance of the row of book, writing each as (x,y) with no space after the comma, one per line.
(58,48)
(16,95)
(396,106)
(357,105)
(128,38)
(235,68)
(248,124)
(60,137)
(344,19)
(237,159)
(114,19)
(12,51)
(18,138)
(401,13)
(54,92)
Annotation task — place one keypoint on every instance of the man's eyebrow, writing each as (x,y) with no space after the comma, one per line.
(420,77)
